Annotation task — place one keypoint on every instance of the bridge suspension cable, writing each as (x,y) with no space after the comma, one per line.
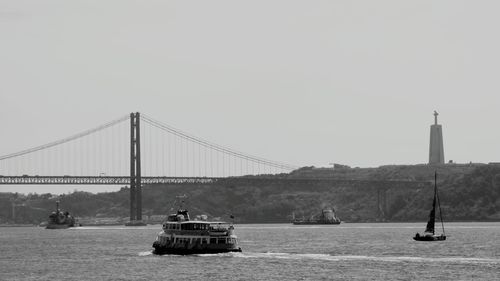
(215,147)
(65,140)
(166,152)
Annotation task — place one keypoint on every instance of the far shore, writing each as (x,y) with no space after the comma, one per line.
(268,223)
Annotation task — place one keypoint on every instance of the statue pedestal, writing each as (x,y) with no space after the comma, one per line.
(436,151)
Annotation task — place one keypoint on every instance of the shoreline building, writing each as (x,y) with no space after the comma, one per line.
(436,151)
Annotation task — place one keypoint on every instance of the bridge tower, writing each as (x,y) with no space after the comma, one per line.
(135,170)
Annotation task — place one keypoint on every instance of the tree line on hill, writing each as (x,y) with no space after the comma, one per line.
(468,193)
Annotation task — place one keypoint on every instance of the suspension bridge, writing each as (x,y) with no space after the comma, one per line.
(138,150)
(132,150)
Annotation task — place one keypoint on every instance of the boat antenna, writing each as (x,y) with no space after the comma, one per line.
(439,202)
(179,199)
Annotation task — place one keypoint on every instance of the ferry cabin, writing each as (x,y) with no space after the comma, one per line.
(196,233)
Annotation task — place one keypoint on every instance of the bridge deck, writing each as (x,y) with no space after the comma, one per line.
(125,180)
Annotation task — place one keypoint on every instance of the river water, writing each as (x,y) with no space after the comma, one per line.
(350,251)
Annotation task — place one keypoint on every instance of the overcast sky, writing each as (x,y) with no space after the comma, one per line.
(301,82)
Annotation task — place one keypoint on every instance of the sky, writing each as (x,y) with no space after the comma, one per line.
(300,82)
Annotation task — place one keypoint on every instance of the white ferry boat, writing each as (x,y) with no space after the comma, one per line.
(183,236)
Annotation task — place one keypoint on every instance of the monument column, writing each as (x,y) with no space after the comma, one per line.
(436,150)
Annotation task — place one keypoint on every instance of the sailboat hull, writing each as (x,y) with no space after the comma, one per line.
(430,238)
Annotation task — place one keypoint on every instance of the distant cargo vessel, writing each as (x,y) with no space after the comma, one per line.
(61,220)
(183,236)
(327,216)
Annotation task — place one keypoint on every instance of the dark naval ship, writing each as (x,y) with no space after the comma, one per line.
(61,220)
(327,216)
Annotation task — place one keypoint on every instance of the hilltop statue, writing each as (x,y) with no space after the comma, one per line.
(436,151)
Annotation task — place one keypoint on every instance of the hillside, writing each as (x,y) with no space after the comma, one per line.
(468,192)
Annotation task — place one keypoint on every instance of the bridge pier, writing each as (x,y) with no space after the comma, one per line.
(135,171)
(138,186)
(132,167)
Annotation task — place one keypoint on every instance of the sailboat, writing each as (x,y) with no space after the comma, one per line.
(429,234)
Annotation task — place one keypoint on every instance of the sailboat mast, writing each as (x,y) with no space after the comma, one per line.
(439,202)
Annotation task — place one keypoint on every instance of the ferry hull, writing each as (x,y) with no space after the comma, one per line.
(162,250)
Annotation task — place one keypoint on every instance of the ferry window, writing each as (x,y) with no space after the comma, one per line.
(221,241)
(213,240)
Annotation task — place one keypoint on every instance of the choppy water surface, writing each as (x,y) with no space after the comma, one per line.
(380,251)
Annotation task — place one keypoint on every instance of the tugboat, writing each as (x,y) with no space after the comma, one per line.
(60,220)
(327,216)
(182,236)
